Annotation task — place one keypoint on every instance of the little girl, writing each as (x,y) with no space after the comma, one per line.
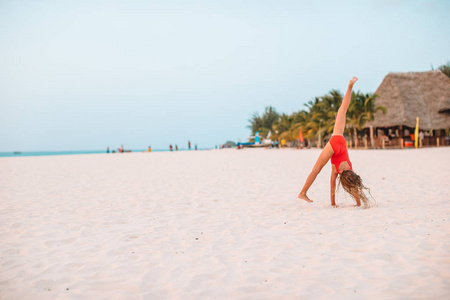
(336,149)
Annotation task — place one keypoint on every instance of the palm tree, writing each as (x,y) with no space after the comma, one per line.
(331,103)
(263,123)
(301,118)
(323,111)
(368,115)
(361,110)
(354,115)
(283,128)
(315,124)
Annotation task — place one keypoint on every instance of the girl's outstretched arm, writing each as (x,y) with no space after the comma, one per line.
(333,187)
(339,125)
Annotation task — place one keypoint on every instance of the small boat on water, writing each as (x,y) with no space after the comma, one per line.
(257,143)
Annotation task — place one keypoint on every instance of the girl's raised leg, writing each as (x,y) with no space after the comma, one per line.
(339,125)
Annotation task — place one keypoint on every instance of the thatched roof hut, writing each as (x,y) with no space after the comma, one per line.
(415,94)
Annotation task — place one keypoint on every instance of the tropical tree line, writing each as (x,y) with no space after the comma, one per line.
(317,120)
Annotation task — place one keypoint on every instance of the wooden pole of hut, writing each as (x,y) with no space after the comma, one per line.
(372,141)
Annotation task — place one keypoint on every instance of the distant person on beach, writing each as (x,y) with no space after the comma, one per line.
(189,145)
(107,150)
(336,149)
(149,148)
(176,147)
(170,147)
(195,146)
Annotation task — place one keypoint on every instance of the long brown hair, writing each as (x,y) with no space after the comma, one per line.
(352,184)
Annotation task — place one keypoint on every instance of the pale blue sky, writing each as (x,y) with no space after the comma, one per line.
(82,75)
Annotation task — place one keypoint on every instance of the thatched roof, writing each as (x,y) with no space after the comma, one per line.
(416,94)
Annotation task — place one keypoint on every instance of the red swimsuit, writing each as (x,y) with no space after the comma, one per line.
(339,145)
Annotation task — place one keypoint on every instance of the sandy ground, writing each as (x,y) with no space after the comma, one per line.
(223,225)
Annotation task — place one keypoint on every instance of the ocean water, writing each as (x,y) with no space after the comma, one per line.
(48,153)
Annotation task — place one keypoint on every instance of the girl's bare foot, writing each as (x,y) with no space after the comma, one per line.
(304,197)
(353,80)
(335,206)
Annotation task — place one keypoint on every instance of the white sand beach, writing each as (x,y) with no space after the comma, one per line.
(223,224)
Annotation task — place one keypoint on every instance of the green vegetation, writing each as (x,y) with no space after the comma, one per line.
(264,123)
(317,121)
(445,69)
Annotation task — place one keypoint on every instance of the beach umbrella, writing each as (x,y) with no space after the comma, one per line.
(416,133)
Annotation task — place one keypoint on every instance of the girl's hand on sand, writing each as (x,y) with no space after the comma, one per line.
(352,81)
